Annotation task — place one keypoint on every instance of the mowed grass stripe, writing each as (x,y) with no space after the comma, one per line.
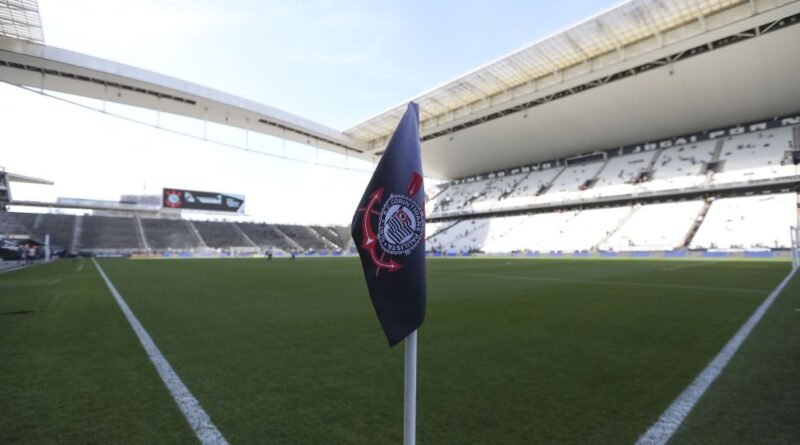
(291,351)
(71,369)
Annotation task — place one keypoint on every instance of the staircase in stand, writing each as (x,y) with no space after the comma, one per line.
(286,237)
(140,232)
(593,180)
(651,165)
(514,187)
(715,159)
(616,229)
(244,235)
(77,230)
(696,224)
(330,244)
(195,233)
(545,188)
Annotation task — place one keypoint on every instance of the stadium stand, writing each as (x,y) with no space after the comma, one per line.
(169,234)
(655,227)
(620,174)
(558,206)
(112,233)
(458,197)
(748,223)
(220,234)
(682,166)
(572,181)
(59,227)
(568,231)
(463,237)
(756,156)
(17,224)
(267,236)
(334,238)
(759,156)
(530,186)
(306,238)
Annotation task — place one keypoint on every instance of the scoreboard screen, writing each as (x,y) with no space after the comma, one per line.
(196,200)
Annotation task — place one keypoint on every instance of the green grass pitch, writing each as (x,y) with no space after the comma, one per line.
(512,351)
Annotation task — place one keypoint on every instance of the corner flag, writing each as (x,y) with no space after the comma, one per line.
(389,230)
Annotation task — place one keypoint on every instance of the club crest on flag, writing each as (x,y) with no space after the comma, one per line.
(401,225)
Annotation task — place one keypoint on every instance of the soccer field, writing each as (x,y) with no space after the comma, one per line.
(512,351)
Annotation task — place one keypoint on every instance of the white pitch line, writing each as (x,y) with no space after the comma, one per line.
(669,422)
(200,422)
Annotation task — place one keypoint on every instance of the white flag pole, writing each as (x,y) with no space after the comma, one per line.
(410,416)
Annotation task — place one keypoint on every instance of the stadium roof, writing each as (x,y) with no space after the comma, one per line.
(20,19)
(16,177)
(627,75)
(607,32)
(49,68)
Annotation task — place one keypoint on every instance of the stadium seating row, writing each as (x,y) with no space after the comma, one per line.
(735,223)
(738,223)
(744,158)
(101,233)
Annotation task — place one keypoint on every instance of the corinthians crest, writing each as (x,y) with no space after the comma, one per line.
(401,226)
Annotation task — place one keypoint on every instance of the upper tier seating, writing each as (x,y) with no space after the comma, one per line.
(747,157)
(527,190)
(458,196)
(495,189)
(569,184)
(681,166)
(619,175)
(755,156)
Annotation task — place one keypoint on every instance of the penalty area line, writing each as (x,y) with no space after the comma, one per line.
(201,423)
(669,422)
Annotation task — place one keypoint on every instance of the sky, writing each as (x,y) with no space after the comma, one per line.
(333,62)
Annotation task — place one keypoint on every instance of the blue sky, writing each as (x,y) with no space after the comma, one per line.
(334,62)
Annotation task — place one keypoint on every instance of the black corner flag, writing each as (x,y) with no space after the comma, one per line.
(389,230)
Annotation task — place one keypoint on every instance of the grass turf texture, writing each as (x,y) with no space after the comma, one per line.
(512,351)
(757,399)
(71,370)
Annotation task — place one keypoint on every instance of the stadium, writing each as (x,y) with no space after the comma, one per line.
(611,235)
